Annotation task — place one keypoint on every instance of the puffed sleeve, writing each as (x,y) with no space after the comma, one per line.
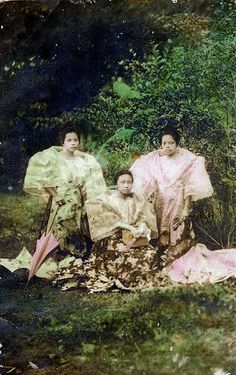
(141,170)
(94,184)
(103,219)
(41,173)
(198,185)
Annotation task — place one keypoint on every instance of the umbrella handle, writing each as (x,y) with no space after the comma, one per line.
(48,229)
(46,215)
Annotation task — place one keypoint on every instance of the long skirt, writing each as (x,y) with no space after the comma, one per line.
(174,244)
(112,266)
(200,265)
(68,224)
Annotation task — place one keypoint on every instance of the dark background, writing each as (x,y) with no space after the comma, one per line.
(69,50)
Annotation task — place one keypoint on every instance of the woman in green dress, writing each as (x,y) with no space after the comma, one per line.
(67,177)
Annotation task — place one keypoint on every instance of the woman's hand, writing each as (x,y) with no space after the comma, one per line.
(144,231)
(59,200)
(178,220)
(135,232)
(56,197)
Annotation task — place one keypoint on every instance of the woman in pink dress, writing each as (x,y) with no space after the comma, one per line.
(173,178)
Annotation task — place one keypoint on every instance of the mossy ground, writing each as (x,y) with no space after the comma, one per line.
(167,331)
(176,330)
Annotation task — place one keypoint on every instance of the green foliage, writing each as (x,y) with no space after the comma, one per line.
(120,151)
(123,90)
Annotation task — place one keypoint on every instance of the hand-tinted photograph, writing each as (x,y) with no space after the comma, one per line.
(117,163)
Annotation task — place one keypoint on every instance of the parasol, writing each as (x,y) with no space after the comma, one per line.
(45,244)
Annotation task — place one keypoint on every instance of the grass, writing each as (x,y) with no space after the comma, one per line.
(167,331)
(20,218)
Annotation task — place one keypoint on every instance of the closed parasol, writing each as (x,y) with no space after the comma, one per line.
(45,245)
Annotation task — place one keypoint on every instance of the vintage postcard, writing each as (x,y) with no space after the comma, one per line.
(117,162)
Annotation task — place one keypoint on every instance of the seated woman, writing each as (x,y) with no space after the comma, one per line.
(174,177)
(121,223)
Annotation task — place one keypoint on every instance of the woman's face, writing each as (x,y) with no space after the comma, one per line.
(168,144)
(71,142)
(124,184)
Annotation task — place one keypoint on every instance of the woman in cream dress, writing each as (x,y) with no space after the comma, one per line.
(121,225)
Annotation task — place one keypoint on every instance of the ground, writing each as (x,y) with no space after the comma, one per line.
(177,330)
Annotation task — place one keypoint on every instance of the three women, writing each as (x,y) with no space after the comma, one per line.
(152,202)
(165,182)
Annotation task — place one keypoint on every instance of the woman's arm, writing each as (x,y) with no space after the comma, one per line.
(180,219)
(186,209)
(140,231)
(57,198)
(134,231)
(51,191)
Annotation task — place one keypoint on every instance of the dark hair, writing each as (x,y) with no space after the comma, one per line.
(173,132)
(68,128)
(121,173)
